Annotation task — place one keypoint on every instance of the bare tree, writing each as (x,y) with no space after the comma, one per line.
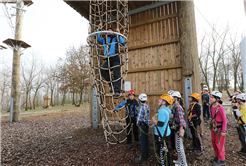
(30,70)
(5,83)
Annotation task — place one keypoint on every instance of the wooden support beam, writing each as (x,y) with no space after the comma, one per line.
(147,7)
(154,20)
(188,47)
(175,66)
(154,44)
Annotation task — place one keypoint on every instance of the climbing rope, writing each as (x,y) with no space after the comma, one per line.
(113,14)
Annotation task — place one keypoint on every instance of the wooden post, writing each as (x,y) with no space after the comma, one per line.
(245,6)
(188,46)
(15,88)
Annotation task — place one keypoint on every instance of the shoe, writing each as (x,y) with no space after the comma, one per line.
(175,154)
(147,157)
(244,156)
(175,161)
(191,147)
(198,152)
(129,146)
(240,151)
(140,160)
(218,162)
(116,95)
(214,159)
(137,143)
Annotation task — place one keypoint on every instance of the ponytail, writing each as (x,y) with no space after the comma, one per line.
(181,102)
(220,101)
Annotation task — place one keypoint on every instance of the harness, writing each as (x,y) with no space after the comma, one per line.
(213,123)
(242,125)
(190,111)
(164,149)
(132,110)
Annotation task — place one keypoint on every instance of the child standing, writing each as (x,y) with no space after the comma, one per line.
(131,111)
(194,112)
(162,130)
(205,104)
(218,128)
(180,124)
(143,124)
(242,122)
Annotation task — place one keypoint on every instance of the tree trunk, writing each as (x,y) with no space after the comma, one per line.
(235,80)
(73,103)
(26,101)
(63,99)
(51,97)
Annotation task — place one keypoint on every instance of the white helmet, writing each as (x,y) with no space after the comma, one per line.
(142,97)
(176,94)
(241,96)
(205,89)
(216,93)
(170,92)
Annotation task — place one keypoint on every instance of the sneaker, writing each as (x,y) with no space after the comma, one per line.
(240,151)
(214,159)
(175,161)
(129,146)
(137,143)
(147,157)
(110,91)
(244,156)
(191,147)
(116,95)
(175,154)
(218,162)
(140,160)
(198,152)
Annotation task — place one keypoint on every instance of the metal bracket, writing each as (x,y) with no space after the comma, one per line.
(188,91)
(94,109)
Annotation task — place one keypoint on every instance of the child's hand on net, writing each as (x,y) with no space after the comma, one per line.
(100,26)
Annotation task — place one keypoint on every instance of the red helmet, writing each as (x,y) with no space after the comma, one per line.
(110,28)
(131,92)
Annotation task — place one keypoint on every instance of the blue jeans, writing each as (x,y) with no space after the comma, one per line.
(144,140)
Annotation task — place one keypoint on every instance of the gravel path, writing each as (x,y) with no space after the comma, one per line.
(67,139)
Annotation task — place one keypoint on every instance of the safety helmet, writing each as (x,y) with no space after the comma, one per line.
(176,94)
(167,98)
(170,92)
(142,97)
(216,94)
(195,96)
(205,89)
(131,92)
(241,96)
(110,28)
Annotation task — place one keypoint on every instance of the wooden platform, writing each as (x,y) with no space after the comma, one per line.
(20,43)
(2,47)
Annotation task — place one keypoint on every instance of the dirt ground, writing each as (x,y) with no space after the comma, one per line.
(66,138)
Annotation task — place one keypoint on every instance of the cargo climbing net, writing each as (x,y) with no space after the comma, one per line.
(110,14)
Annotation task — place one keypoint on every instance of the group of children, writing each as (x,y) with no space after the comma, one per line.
(170,119)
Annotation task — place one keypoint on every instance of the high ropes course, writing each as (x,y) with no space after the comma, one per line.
(105,16)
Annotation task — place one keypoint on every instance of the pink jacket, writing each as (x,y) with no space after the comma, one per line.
(220,117)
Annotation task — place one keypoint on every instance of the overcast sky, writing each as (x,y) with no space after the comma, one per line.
(50,27)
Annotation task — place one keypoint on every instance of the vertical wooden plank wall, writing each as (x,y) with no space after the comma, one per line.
(154,53)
